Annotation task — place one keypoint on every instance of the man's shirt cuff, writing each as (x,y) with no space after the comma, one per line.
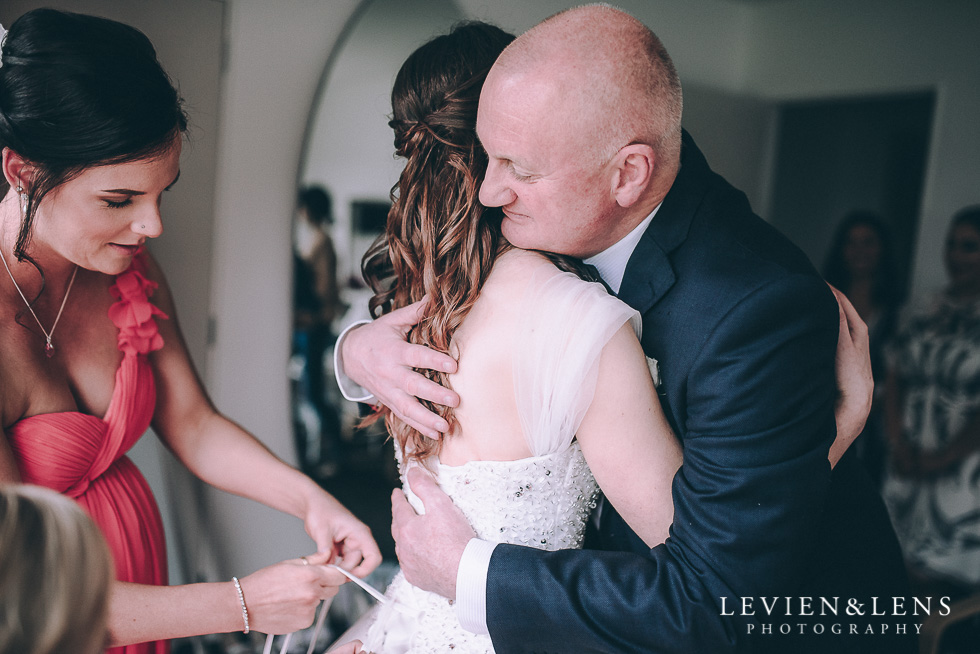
(348,388)
(471,586)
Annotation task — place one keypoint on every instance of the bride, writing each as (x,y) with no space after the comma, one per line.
(546,360)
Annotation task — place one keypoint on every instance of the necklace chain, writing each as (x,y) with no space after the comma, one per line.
(48,346)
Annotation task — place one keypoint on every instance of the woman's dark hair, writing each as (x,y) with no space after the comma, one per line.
(967,216)
(316,201)
(439,241)
(886,290)
(80,91)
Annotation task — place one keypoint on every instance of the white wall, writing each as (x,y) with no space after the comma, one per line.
(276,52)
(350,149)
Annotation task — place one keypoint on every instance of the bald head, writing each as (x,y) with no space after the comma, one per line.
(612,81)
(580,120)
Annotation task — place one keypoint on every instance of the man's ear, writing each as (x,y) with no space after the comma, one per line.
(17,170)
(634,166)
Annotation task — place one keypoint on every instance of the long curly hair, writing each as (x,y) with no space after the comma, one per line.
(439,241)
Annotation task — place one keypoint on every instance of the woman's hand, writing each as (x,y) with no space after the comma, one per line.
(353,647)
(855,384)
(282,598)
(346,540)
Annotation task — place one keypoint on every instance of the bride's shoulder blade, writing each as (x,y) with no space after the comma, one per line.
(518,268)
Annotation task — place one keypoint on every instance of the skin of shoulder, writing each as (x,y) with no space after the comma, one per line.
(489,426)
(12,400)
(515,268)
(632,453)
(8,467)
(496,309)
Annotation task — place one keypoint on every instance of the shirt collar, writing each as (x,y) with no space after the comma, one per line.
(611,262)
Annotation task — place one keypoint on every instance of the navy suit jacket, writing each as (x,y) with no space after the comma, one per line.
(745,333)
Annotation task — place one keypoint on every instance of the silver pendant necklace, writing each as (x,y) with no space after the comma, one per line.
(48,346)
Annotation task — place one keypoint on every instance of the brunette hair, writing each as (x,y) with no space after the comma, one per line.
(886,292)
(439,241)
(55,571)
(967,216)
(316,202)
(79,91)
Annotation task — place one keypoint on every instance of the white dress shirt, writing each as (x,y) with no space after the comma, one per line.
(350,390)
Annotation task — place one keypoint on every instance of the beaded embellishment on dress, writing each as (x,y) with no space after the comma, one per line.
(541,502)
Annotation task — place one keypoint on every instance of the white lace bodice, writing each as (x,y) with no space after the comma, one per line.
(542,501)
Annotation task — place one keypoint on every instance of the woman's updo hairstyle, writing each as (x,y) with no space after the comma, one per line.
(80,91)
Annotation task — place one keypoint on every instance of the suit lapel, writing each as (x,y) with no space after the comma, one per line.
(649,273)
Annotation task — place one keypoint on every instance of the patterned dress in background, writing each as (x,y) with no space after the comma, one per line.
(936,356)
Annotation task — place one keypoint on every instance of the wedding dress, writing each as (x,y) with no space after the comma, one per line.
(543,501)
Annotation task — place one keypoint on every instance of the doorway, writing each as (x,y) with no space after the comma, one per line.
(837,156)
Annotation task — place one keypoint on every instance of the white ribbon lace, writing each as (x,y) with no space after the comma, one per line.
(321,617)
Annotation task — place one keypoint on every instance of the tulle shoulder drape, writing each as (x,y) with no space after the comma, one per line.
(567,323)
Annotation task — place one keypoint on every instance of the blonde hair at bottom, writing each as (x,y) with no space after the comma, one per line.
(55,572)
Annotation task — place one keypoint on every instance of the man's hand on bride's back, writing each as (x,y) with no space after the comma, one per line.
(377,357)
(429,546)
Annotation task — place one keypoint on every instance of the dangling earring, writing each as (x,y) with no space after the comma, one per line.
(23,202)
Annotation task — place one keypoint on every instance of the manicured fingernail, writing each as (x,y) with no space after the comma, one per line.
(448,400)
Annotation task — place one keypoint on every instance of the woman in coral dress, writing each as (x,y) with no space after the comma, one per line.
(90,351)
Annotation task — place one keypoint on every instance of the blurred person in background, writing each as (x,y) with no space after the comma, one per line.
(932,410)
(316,303)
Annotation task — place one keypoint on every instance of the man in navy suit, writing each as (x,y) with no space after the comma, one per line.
(580,118)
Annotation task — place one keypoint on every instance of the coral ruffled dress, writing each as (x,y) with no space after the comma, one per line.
(84,457)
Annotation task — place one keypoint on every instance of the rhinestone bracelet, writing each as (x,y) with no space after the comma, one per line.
(241,600)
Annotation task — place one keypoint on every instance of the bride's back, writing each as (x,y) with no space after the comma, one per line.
(486,345)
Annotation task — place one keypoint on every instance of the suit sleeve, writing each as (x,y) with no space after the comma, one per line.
(758,426)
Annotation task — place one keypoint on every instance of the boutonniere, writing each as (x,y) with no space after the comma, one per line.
(654,367)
